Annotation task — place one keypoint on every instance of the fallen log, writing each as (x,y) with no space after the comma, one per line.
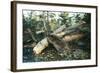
(61,34)
(59,43)
(56,35)
(72,37)
(40,46)
(77,25)
(61,31)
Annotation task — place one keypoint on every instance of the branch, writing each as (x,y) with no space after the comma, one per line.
(60,29)
(31,34)
(30,45)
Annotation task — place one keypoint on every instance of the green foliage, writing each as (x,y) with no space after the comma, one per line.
(64,18)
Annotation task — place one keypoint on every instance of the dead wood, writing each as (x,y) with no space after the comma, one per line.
(40,46)
(59,38)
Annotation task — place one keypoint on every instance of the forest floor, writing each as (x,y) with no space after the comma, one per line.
(51,54)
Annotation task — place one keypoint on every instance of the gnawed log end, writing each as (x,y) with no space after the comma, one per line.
(40,46)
